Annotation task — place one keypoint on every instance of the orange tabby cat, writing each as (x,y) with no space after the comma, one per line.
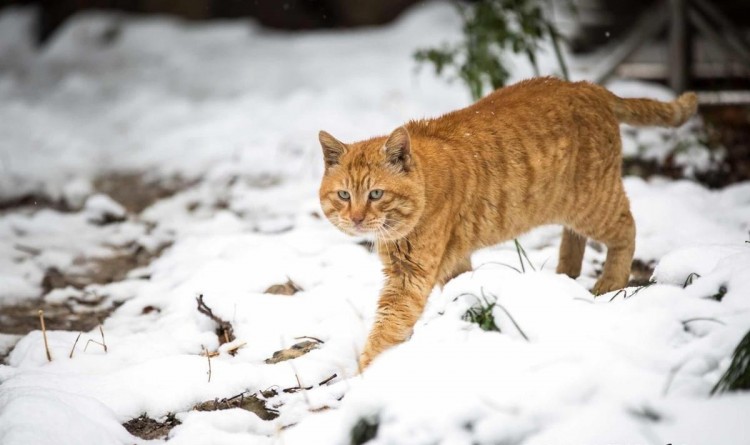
(543,151)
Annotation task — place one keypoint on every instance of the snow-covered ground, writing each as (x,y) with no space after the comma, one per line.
(234,110)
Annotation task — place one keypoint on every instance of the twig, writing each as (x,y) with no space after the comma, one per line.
(44,335)
(310,338)
(208,357)
(74,345)
(224,330)
(327,380)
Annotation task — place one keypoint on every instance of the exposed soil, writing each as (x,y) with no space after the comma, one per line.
(249,402)
(135,192)
(102,270)
(22,318)
(149,429)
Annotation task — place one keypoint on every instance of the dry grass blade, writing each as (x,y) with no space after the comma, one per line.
(104,342)
(208,357)
(44,335)
(292,352)
(234,349)
(288,288)
(74,345)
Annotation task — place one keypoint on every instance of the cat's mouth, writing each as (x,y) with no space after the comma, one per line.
(379,229)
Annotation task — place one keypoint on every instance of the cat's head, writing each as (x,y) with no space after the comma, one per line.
(372,187)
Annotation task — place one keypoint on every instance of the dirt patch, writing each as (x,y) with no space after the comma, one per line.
(102,270)
(135,191)
(248,402)
(22,318)
(147,428)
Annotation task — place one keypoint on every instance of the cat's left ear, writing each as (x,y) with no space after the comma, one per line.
(398,149)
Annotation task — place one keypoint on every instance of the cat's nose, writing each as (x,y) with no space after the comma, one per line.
(357,219)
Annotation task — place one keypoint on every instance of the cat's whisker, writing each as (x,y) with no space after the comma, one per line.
(391,231)
(383,241)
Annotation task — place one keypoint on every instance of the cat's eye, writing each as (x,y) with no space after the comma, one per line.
(376,194)
(343,194)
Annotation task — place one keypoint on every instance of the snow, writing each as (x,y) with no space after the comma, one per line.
(234,109)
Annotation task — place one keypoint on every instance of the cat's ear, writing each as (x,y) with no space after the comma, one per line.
(332,148)
(398,149)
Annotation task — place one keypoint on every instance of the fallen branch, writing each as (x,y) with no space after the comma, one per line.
(327,380)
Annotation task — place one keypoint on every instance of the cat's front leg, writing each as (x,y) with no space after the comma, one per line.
(402,300)
(398,311)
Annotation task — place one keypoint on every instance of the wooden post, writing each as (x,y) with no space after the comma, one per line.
(680,47)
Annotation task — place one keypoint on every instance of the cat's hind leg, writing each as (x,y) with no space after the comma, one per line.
(571,253)
(608,220)
(615,227)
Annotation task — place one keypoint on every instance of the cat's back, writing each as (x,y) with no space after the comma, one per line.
(540,93)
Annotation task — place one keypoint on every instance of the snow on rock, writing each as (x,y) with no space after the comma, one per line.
(101,209)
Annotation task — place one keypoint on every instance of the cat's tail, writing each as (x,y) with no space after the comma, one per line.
(649,112)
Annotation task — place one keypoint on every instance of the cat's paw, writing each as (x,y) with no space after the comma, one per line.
(604,285)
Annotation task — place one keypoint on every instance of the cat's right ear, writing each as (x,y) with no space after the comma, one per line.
(333,149)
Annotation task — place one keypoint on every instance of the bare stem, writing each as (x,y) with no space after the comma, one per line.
(104,343)
(74,345)
(208,357)
(44,335)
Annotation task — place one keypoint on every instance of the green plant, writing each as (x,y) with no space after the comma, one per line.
(490,29)
(481,314)
(364,430)
(737,376)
